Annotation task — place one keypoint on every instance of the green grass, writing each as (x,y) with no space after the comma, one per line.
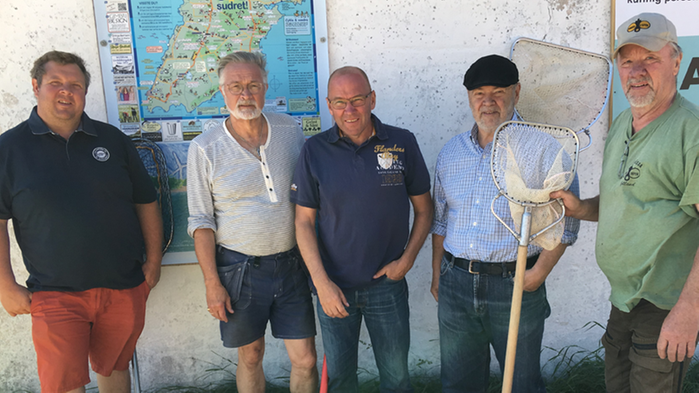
(574,370)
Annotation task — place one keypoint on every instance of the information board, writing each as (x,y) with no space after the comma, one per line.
(159,66)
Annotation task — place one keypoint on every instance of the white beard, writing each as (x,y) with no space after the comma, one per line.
(245,114)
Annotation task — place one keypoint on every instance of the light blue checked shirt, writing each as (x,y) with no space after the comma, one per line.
(463,192)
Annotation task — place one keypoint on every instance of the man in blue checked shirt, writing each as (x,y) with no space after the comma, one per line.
(473,257)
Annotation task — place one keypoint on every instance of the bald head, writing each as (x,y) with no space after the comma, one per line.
(349,70)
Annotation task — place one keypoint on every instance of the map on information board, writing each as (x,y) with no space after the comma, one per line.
(159,63)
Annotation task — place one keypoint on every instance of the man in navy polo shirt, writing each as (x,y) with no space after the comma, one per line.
(83,208)
(357,180)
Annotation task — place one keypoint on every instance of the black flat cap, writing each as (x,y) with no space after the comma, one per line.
(493,70)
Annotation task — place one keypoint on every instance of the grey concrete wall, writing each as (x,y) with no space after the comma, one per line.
(415,53)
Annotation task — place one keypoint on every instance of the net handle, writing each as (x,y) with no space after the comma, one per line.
(532,205)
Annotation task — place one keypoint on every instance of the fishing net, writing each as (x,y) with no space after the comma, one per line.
(561,86)
(530,161)
(154,160)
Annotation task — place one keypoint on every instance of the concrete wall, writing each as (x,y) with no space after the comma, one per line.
(415,53)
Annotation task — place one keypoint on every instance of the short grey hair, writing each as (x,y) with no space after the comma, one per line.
(241,57)
(676,49)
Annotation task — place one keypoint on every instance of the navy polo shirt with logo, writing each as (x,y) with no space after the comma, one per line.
(72,204)
(361,194)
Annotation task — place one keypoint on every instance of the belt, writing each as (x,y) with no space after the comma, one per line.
(256,259)
(480,267)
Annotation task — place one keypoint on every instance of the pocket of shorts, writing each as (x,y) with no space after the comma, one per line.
(236,280)
(300,276)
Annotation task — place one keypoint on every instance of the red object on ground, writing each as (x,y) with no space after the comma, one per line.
(324,377)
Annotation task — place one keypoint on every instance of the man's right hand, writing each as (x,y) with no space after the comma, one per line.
(332,300)
(218,301)
(586,209)
(16,300)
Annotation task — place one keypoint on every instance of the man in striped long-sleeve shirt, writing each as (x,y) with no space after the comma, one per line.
(238,181)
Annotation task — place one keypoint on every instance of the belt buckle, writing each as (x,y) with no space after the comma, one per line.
(470,267)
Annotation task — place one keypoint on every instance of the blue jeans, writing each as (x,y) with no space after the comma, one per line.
(384,306)
(474,312)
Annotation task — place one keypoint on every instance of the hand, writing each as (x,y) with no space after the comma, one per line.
(678,336)
(16,300)
(395,270)
(572,203)
(332,300)
(218,301)
(587,209)
(533,279)
(152,273)
(434,288)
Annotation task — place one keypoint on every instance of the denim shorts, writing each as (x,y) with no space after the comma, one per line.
(270,288)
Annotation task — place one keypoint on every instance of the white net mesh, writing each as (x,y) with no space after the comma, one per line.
(529,162)
(560,86)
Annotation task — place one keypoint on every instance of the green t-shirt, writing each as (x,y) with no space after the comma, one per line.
(648,229)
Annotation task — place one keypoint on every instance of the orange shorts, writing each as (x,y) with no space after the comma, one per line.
(68,327)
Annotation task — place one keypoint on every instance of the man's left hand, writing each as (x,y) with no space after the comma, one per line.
(678,335)
(152,272)
(395,270)
(533,278)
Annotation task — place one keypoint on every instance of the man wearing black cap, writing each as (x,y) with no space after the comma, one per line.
(473,254)
(647,213)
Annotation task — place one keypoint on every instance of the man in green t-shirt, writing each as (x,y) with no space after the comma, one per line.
(648,229)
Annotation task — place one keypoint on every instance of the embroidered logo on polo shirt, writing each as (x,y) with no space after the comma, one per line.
(385,159)
(100,154)
(390,166)
(294,187)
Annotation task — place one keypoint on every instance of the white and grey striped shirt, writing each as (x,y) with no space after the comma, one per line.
(243,199)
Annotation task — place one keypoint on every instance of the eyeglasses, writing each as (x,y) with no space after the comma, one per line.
(622,165)
(341,103)
(237,88)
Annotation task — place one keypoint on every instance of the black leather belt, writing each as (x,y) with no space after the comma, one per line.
(480,267)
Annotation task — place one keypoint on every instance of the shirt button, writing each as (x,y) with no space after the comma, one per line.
(270,189)
(480,178)
(475,223)
(470,245)
(477,201)
(267,177)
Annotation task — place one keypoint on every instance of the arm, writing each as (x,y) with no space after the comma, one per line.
(586,209)
(15,298)
(330,295)
(422,208)
(217,298)
(437,255)
(678,335)
(152,228)
(534,277)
